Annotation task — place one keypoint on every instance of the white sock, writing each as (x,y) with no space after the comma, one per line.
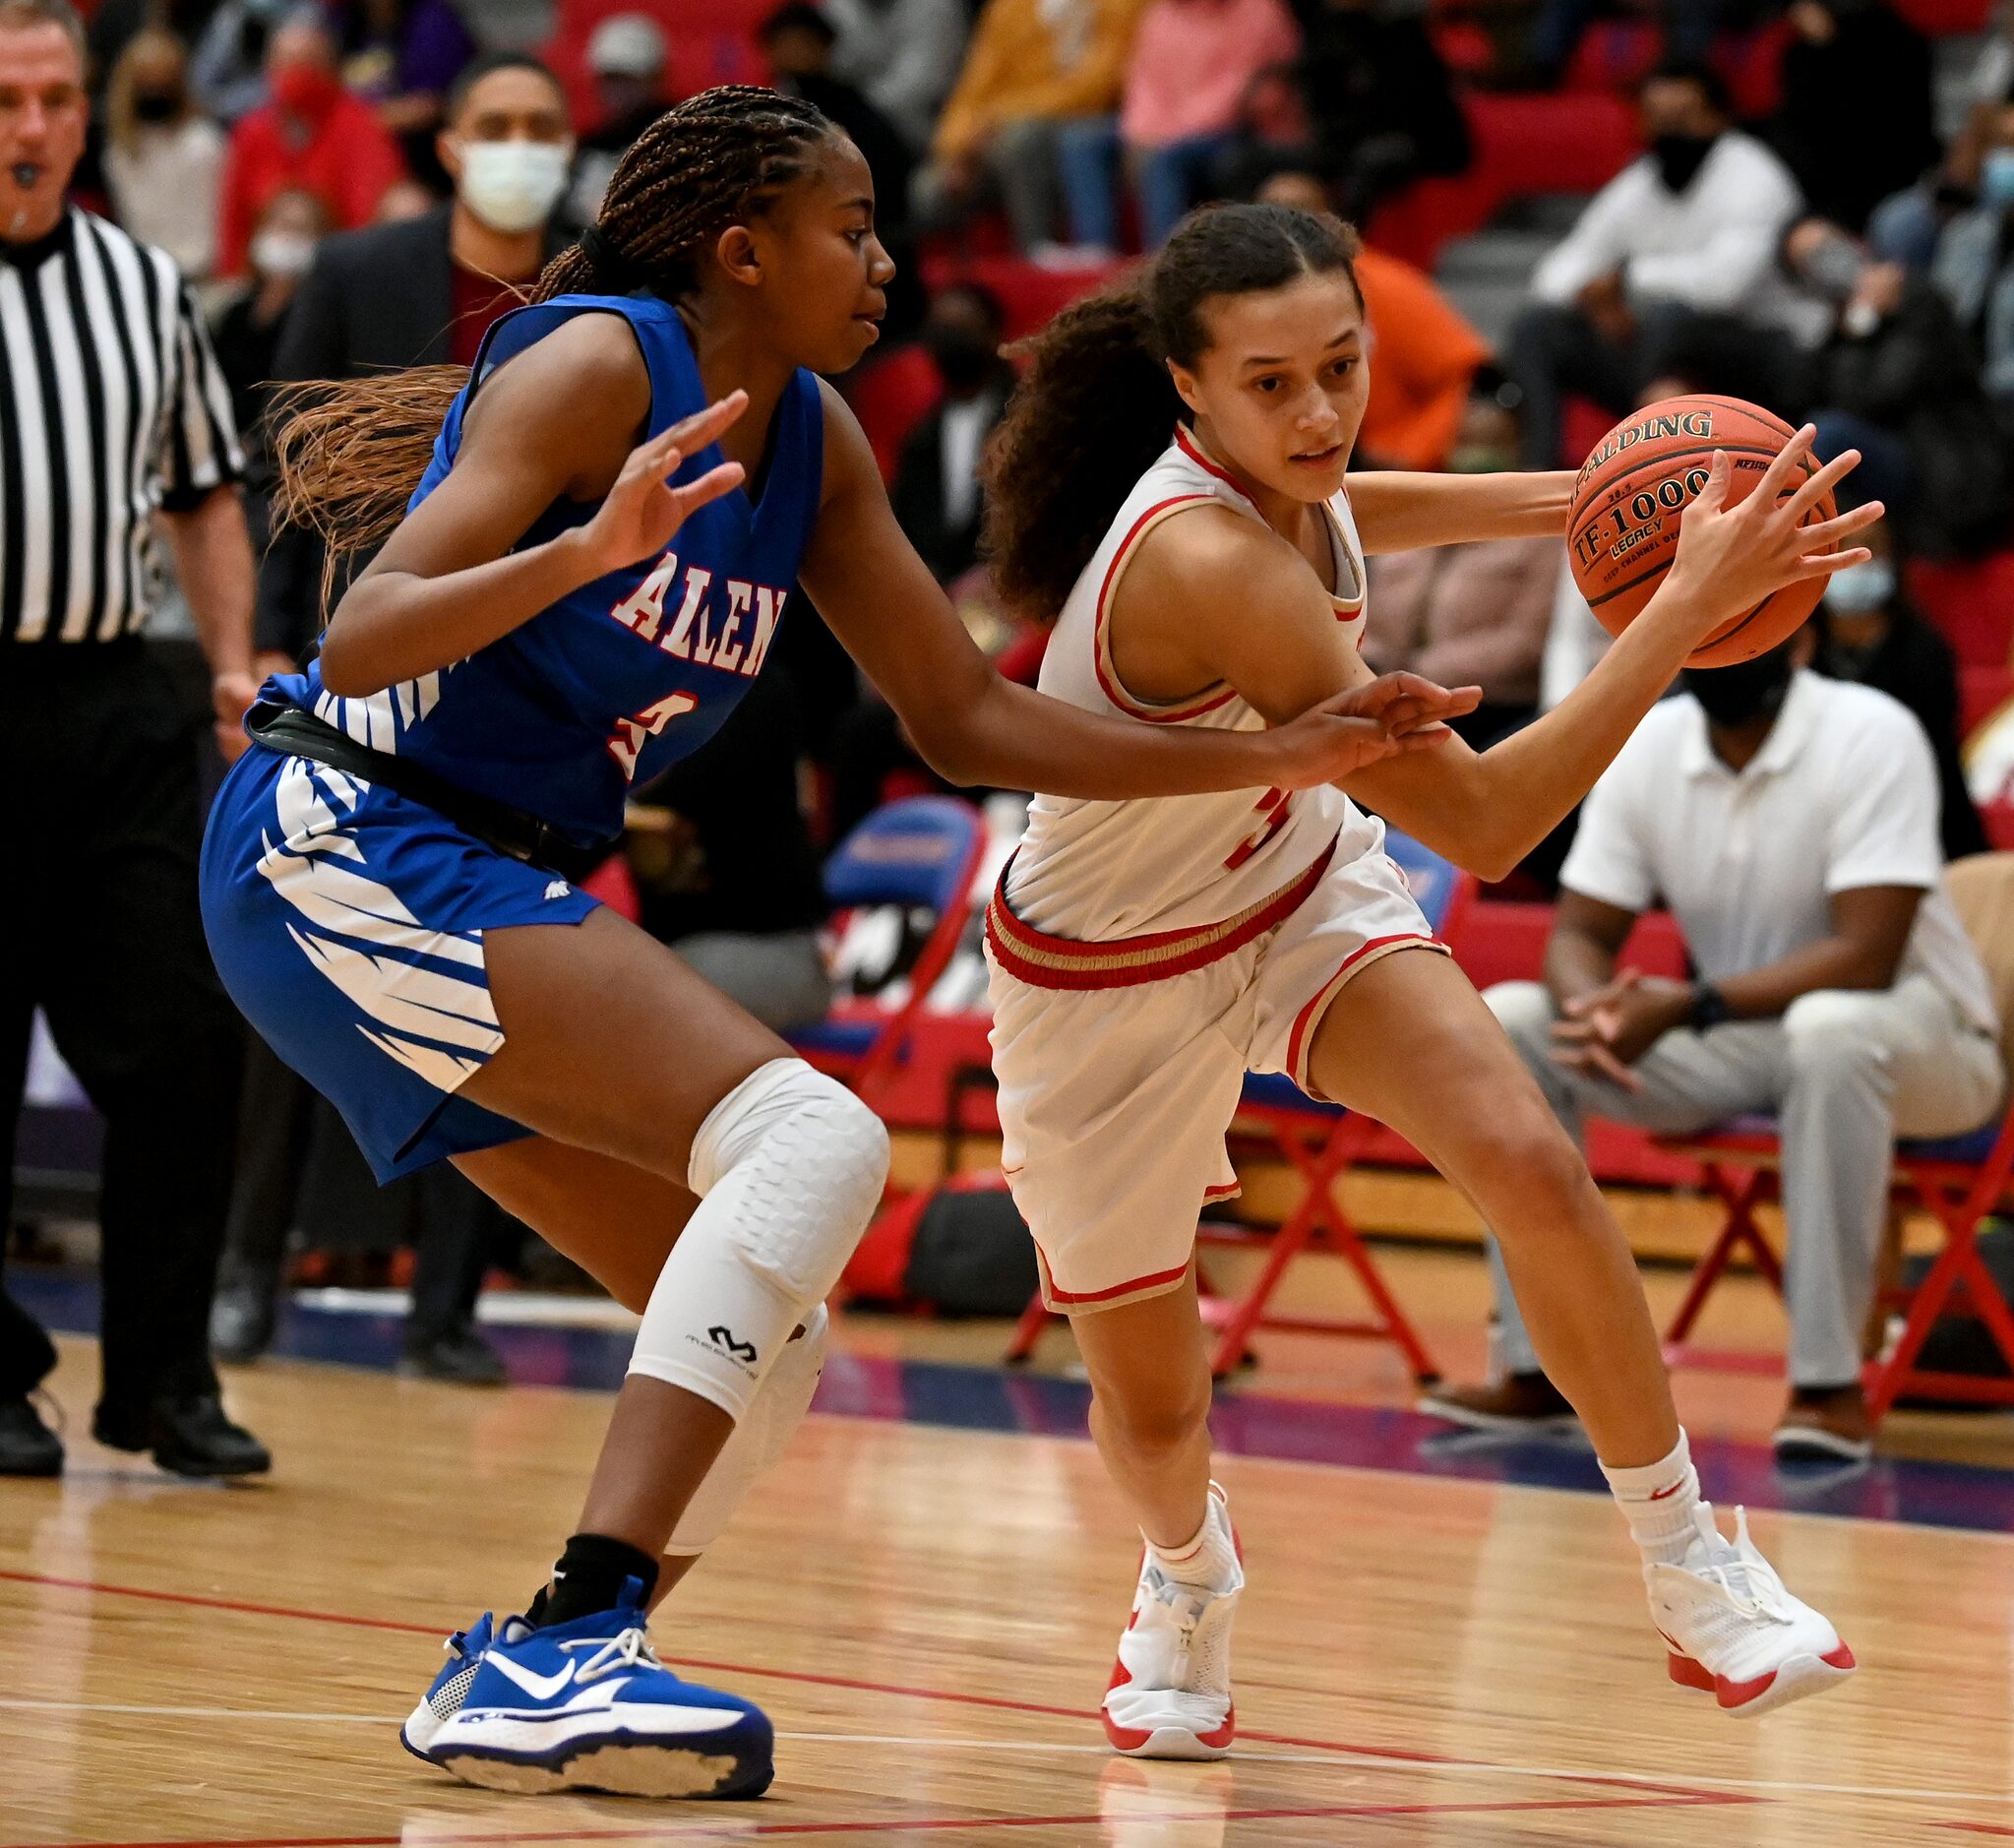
(1208,1558)
(1658,1500)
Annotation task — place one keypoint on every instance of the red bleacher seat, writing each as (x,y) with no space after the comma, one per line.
(1981,691)
(1972,602)
(1944,17)
(890,396)
(712,41)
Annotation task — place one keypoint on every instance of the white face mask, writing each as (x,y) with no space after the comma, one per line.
(283,253)
(513,185)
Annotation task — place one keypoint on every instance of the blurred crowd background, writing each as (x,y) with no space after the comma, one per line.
(1572,207)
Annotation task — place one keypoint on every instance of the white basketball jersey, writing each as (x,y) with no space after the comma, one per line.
(1098,870)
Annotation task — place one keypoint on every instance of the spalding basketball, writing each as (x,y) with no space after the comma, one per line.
(1623,531)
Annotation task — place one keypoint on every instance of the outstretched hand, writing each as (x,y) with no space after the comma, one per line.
(643,511)
(1730,559)
(1389,716)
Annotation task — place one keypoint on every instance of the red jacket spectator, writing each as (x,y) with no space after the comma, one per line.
(313,135)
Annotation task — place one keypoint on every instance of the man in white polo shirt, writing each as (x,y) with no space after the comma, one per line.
(1790,825)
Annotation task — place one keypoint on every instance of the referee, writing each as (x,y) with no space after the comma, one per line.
(115,428)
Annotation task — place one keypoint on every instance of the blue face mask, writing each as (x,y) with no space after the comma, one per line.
(1996,176)
(1862,589)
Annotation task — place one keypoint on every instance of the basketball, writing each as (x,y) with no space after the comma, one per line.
(1623,531)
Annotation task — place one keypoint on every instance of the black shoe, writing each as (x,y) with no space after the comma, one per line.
(28,1446)
(242,1320)
(461,1356)
(189,1437)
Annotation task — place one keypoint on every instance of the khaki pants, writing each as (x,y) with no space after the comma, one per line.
(1845,1072)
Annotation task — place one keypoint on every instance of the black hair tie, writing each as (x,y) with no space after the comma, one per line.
(611,267)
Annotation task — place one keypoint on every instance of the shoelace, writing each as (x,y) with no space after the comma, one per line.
(627,1650)
(1186,1607)
(1748,1579)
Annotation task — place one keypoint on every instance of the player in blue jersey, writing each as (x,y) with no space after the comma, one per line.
(576,588)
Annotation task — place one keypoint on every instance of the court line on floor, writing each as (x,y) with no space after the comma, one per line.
(1335,1758)
(1393,1754)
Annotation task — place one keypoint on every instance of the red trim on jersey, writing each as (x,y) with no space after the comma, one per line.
(1159,1281)
(1107,674)
(1041,960)
(1312,1012)
(1224,1190)
(1185,441)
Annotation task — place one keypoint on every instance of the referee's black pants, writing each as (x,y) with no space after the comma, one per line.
(99,928)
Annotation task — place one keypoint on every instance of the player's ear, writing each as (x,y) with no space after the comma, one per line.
(735,252)
(1185,387)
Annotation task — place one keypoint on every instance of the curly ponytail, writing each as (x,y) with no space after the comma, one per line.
(1097,405)
(351,452)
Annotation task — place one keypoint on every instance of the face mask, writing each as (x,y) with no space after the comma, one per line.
(304,90)
(1862,589)
(157,105)
(1743,692)
(963,357)
(1481,458)
(1834,269)
(513,185)
(1996,176)
(283,253)
(1679,158)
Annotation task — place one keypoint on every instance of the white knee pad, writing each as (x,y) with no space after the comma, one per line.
(759,1441)
(789,1167)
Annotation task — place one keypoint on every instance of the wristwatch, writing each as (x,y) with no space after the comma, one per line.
(1709,1007)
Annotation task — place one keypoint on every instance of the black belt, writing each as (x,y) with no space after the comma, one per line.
(290,731)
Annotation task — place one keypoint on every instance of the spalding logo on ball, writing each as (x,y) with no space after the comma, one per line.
(1623,531)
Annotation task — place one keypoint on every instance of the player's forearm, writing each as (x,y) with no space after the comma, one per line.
(1399,511)
(215,566)
(1010,737)
(395,625)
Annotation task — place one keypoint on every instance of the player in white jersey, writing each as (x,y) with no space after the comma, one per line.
(1147,954)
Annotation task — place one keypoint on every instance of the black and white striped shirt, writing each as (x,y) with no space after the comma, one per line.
(111,406)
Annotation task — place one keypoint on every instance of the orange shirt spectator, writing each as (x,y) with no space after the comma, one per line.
(312,135)
(1423,355)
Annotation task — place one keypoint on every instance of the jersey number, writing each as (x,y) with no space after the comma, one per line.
(1275,806)
(632,734)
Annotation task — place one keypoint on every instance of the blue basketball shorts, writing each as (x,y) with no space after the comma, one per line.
(347,924)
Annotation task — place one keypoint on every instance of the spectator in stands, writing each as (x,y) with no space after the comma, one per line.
(1869,630)
(936,491)
(1688,232)
(1896,379)
(1686,29)
(725,865)
(627,57)
(1192,66)
(313,134)
(247,334)
(1381,100)
(798,39)
(1032,66)
(1425,354)
(902,55)
(1974,261)
(402,56)
(228,68)
(1479,612)
(1852,64)
(163,157)
(1790,823)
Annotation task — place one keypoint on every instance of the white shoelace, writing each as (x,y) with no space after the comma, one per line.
(627,1650)
(1748,1579)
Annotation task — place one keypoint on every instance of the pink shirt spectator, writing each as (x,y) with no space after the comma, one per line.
(1192,62)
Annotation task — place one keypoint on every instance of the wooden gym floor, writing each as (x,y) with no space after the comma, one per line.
(926,1596)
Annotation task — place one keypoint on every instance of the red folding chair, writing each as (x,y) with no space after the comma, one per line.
(1321,1142)
(1961,1180)
(922,852)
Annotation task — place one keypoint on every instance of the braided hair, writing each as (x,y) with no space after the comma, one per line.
(351,453)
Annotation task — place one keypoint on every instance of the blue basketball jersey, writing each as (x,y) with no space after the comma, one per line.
(618,681)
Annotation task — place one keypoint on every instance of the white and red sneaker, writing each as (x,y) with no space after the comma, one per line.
(1170,1695)
(1731,1628)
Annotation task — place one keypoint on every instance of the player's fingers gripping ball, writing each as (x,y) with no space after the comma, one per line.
(1623,531)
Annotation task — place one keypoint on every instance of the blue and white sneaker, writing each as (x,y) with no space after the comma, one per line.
(587,1705)
(443,1700)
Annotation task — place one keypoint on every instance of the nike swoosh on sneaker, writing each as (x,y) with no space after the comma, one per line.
(539,1686)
